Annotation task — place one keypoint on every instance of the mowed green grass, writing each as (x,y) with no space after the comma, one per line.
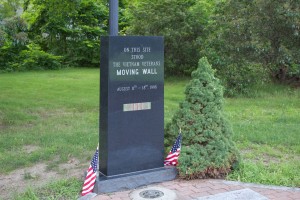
(267,132)
(56,113)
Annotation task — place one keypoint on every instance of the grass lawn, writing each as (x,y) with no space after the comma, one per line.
(52,116)
(267,132)
(54,112)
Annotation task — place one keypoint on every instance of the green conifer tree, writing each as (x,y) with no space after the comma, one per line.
(207,148)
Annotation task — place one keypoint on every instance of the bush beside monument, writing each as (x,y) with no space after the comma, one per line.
(208,150)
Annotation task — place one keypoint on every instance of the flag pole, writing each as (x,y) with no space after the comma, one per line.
(113,17)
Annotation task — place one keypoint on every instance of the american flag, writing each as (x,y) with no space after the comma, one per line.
(90,178)
(172,158)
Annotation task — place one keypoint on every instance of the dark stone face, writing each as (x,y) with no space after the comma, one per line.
(131,104)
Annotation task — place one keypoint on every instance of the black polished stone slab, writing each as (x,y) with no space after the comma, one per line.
(131,104)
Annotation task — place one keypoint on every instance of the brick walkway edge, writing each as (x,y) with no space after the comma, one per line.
(188,190)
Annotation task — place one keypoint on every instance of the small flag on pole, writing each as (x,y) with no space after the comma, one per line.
(172,158)
(91,176)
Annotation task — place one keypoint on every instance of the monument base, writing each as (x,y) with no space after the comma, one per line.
(133,180)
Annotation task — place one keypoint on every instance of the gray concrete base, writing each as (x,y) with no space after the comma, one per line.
(134,180)
(87,196)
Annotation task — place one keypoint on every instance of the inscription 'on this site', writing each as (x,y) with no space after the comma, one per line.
(136,106)
(137,62)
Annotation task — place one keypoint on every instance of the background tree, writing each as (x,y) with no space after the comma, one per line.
(69,28)
(181,22)
(253,40)
(10,8)
(275,27)
(13,39)
(207,146)
(17,52)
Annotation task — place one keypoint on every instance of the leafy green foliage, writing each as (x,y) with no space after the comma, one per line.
(2,38)
(16,29)
(8,58)
(207,147)
(9,8)
(13,38)
(69,28)
(238,79)
(29,57)
(34,58)
(259,35)
(180,22)
(16,55)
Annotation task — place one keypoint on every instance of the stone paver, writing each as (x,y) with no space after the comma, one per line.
(189,190)
(244,194)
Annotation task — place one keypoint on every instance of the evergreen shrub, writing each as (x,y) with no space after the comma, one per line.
(207,148)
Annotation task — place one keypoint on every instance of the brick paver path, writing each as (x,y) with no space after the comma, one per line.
(188,190)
